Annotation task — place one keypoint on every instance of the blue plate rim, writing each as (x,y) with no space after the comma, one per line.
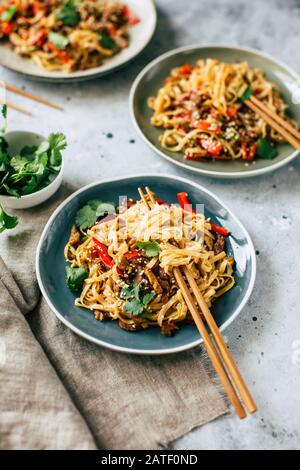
(122,349)
(211,173)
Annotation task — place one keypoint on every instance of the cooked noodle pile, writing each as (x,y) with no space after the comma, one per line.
(66,35)
(116,287)
(202,111)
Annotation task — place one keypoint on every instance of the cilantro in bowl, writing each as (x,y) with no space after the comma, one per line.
(33,168)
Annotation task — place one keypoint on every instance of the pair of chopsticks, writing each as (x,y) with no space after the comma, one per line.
(217,350)
(289,132)
(26,94)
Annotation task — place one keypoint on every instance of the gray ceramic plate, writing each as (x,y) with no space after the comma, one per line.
(151,78)
(140,35)
(50,266)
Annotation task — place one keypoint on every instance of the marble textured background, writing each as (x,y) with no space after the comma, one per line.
(265,339)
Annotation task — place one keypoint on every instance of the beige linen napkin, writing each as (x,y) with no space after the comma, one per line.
(58,391)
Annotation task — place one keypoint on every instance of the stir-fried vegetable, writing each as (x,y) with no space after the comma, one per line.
(186,205)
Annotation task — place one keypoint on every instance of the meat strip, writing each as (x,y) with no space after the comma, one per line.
(136,326)
(219,244)
(75,236)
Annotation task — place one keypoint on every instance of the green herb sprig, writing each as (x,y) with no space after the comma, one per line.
(137,301)
(92,211)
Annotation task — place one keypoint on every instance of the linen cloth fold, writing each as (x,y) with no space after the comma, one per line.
(58,391)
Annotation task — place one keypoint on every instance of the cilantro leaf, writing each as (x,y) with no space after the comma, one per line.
(68,14)
(107,42)
(7,222)
(28,152)
(60,41)
(151,248)
(131,292)
(148,298)
(8,14)
(75,277)
(266,150)
(136,301)
(135,307)
(105,208)
(85,217)
(94,203)
(57,143)
(246,95)
(91,212)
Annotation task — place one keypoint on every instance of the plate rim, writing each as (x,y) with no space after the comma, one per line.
(123,349)
(91,73)
(211,173)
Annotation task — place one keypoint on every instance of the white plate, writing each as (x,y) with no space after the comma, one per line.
(140,35)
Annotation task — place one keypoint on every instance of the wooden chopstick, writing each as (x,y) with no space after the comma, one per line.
(26,94)
(276,118)
(11,105)
(275,121)
(218,337)
(211,350)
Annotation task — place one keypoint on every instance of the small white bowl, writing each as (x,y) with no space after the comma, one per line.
(16,141)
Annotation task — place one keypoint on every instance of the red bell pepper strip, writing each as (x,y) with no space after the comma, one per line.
(103,254)
(220,230)
(231,112)
(214,148)
(7,27)
(130,17)
(185,204)
(205,126)
(129,255)
(248,155)
(63,56)
(186,69)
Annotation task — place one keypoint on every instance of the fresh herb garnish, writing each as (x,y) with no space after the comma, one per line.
(59,41)
(7,222)
(137,301)
(75,277)
(151,248)
(33,169)
(246,95)
(266,150)
(92,211)
(8,14)
(106,41)
(68,14)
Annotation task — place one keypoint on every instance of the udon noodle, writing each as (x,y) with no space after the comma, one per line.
(116,284)
(202,111)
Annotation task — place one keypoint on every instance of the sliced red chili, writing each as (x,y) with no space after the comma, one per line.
(103,254)
(186,69)
(183,200)
(231,112)
(220,230)
(132,254)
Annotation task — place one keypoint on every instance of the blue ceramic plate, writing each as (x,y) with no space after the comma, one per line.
(50,266)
